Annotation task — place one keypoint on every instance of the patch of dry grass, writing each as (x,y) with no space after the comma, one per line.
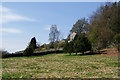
(60,66)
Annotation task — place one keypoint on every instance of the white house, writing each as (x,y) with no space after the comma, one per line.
(72,36)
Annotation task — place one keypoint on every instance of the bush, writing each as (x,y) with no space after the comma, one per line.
(82,44)
(61,44)
(68,47)
(4,53)
(65,48)
(28,51)
(79,44)
(117,41)
(32,43)
(71,47)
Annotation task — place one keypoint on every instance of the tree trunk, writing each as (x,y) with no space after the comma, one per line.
(91,51)
(118,48)
(55,50)
(82,52)
(76,53)
(70,53)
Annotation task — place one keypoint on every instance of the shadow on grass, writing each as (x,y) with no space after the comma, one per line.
(88,53)
(53,52)
(34,54)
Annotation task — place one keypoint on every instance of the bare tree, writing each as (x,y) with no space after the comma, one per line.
(54,35)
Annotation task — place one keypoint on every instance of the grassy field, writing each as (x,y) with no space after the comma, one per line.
(60,66)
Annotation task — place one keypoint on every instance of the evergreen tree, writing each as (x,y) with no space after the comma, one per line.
(32,43)
(30,49)
(81,44)
(68,47)
(71,47)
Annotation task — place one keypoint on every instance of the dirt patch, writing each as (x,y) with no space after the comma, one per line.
(110,52)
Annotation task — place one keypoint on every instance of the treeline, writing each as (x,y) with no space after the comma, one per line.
(79,44)
(105,26)
(101,30)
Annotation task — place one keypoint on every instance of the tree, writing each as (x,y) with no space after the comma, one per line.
(28,51)
(30,48)
(75,44)
(117,41)
(71,47)
(32,43)
(115,17)
(68,47)
(4,53)
(104,25)
(80,26)
(61,44)
(54,34)
(81,44)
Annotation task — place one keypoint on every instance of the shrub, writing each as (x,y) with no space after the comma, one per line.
(33,43)
(61,44)
(82,44)
(68,47)
(71,47)
(117,41)
(4,53)
(28,51)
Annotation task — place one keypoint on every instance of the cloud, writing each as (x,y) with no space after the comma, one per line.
(9,16)
(4,9)
(13,17)
(10,30)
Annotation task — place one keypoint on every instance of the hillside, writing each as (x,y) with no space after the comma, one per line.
(61,66)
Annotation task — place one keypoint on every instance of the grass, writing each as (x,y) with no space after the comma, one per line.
(60,66)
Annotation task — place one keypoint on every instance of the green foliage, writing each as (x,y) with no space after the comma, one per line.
(82,44)
(80,26)
(51,46)
(66,47)
(69,47)
(117,38)
(61,44)
(28,51)
(115,17)
(79,44)
(104,25)
(33,43)
(4,53)
(117,41)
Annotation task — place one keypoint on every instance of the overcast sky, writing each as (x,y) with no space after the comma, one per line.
(23,20)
